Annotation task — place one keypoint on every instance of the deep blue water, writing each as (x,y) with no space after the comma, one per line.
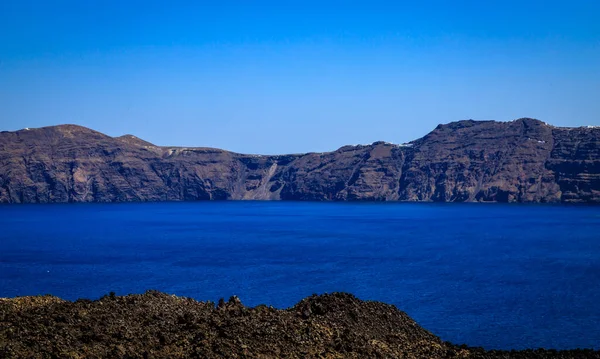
(497,276)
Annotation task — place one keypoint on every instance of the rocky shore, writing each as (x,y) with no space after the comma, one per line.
(158,325)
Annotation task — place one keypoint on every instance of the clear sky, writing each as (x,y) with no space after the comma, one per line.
(295,76)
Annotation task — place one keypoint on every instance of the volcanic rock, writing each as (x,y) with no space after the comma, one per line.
(158,325)
(524,160)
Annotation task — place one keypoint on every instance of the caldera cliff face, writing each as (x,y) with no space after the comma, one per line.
(524,160)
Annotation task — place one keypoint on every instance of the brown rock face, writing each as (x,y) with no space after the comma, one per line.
(520,161)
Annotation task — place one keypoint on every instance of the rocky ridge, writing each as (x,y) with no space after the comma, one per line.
(158,325)
(524,160)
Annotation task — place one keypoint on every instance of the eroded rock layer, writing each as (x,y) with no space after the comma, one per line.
(519,161)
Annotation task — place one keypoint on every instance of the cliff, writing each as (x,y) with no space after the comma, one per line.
(520,161)
(157,325)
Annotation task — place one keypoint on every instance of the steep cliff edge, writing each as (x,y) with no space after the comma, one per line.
(520,161)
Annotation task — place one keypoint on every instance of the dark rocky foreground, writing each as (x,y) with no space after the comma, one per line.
(520,161)
(158,325)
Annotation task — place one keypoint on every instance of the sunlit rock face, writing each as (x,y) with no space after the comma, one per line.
(524,160)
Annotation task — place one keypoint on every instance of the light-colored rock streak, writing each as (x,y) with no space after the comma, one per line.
(262,192)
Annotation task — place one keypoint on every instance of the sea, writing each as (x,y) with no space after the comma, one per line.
(498,276)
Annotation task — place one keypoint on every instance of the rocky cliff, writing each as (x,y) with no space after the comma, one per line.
(520,161)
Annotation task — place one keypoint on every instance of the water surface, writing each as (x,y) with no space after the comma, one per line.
(497,276)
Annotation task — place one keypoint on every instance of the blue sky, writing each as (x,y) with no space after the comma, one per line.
(295,76)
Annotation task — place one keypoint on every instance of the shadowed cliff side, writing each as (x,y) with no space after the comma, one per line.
(520,161)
